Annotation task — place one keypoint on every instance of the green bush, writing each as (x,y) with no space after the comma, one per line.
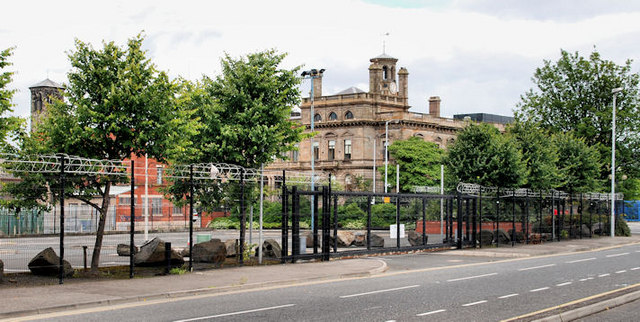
(622,229)
(224,223)
(351,211)
(354,224)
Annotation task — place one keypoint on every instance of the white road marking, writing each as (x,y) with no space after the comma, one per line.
(536,267)
(379,291)
(236,313)
(635,268)
(508,296)
(581,260)
(470,277)
(429,313)
(583,279)
(563,284)
(622,271)
(616,255)
(539,289)
(475,303)
(603,275)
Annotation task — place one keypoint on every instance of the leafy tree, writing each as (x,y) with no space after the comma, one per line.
(482,155)
(419,162)
(117,104)
(539,155)
(9,125)
(579,164)
(574,94)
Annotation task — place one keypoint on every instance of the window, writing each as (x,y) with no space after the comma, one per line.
(294,154)
(316,150)
(177,210)
(347,149)
(385,72)
(348,115)
(125,201)
(317,118)
(332,150)
(156,206)
(333,116)
(159,174)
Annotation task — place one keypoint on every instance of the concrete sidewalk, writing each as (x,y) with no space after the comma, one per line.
(32,300)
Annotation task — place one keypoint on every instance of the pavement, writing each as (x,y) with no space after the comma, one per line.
(24,301)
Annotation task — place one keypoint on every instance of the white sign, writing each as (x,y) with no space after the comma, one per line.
(393,230)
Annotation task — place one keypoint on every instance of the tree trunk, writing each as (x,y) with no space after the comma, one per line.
(95,257)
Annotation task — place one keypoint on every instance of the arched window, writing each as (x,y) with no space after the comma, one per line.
(333,116)
(385,72)
(348,115)
(317,118)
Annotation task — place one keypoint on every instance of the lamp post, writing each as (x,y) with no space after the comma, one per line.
(615,92)
(386,154)
(312,74)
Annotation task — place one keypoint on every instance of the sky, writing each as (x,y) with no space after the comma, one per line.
(478,56)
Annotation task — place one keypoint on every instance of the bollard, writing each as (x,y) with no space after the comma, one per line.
(84,250)
(167,256)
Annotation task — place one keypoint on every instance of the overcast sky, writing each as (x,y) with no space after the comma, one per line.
(477,55)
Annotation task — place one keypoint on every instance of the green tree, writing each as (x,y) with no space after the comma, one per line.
(9,125)
(117,104)
(419,162)
(579,164)
(483,156)
(539,156)
(574,94)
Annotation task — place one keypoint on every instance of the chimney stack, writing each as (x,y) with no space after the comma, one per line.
(434,106)
(317,86)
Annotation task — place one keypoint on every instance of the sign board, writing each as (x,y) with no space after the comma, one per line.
(387,199)
(393,230)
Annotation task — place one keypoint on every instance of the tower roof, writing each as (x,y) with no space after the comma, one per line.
(350,90)
(384,56)
(46,83)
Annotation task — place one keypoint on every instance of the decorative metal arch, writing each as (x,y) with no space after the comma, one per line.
(476,189)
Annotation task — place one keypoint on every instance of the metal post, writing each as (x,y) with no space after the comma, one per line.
(261,213)
(61,263)
(314,229)
(553,216)
(335,224)
(615,92)
(374,167)
(480,214)
(146,197)
(243,220)
(474,226)
(497,221)
(84,256)
(424,221)
(167,257)
(285,219)
(369,198)
(526,227)
(132,212)
(513,217)
(251,225)
(459,222)
(386,153)
(191,218)
(581,209)
(441,200)
(295,223)
(312,152)
(398,221)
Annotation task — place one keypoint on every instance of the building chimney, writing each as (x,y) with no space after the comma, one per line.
(317,86)
(434,106)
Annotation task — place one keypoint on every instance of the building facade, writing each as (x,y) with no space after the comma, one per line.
(352,126)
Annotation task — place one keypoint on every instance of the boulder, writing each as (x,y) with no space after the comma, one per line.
(271,248)
(503,237)
(151,253)
(46,263)
(597,228)
(232,246)
(345,238)
(360,239)
(486,238)
(414,238)
(309,239)
(124,250)
(212,251)
(377,241)
(584,231)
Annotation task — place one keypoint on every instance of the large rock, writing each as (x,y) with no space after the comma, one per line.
(345,238)
(377,241)
(46,263)
(415,239)
(271,248)
(597,228)
(360,239)
(584,231)
(486,238)
(125,250)
(309,239)
(231,245)
(152,254)
(503,237)
(212,251)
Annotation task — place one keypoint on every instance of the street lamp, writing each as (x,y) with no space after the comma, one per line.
(615,92)
(312,74)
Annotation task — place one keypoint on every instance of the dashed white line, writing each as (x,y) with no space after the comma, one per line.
(379,291)
(508,296)
(536,267)
(581,260)
(470,277)
(622,271)
(564,284)
(635,268)
(539,289)
(583,279)
(604,275)
(475,303)
(236,313)
(616,255)
(429,313)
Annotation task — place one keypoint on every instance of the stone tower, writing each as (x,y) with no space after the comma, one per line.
(41,95)
(382,75)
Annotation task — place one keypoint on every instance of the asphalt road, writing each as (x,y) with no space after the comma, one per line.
(483,290)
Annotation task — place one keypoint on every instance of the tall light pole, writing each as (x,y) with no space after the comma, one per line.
(615,92)
(312,74)
(386,154)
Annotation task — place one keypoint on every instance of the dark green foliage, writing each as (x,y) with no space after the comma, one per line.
(578,164)
(9,125)
(539,155)
(419,162)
